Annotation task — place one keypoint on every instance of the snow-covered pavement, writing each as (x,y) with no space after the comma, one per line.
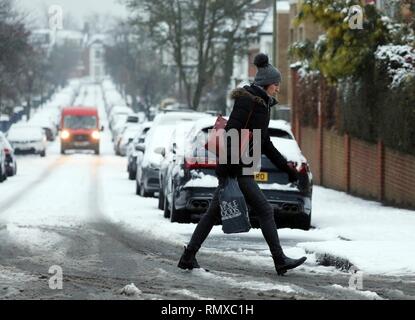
(80,211)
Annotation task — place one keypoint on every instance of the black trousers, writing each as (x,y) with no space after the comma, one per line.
(256,199)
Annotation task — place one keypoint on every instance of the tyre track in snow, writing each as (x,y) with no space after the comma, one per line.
(163,256)
(23,193)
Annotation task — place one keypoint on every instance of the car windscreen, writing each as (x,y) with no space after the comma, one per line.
(80,122)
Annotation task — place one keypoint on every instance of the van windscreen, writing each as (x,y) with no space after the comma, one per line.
(80,122)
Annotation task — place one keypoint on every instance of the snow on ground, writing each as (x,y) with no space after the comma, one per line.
(376,239)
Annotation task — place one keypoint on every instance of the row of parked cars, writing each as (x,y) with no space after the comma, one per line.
(21,138)
(166,158)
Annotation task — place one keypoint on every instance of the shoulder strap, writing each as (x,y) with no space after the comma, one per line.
(249,117)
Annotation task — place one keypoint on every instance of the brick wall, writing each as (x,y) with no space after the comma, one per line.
(334,171)
(399,179)
(363,169)
(309,141)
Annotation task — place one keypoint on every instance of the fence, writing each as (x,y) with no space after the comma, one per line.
(348,164)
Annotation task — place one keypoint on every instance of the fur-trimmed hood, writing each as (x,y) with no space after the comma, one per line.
(248,91)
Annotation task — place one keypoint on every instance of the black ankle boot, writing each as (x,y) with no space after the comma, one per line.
(188,260)
(283,263)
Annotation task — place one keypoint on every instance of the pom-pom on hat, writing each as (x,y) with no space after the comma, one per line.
(267,74)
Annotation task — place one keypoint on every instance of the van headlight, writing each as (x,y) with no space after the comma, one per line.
(95,135)
(65,135)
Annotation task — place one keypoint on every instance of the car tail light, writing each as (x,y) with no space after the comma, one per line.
(7,151)
(304,168)
(199,163)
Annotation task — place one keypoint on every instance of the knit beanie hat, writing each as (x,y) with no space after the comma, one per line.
(267,74)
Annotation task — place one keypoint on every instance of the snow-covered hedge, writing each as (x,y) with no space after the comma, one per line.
(398,61)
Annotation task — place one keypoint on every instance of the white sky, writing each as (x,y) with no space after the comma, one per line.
(76,8)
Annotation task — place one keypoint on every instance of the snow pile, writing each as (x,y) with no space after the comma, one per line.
(399,61)
(131,290)
(376,239)
(279,187)
(367,295)
(201,180)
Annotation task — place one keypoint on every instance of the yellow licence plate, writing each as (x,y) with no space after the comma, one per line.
(261,177)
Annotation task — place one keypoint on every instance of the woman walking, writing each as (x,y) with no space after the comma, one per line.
(252,110)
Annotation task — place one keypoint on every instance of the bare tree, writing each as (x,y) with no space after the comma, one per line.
(195,31)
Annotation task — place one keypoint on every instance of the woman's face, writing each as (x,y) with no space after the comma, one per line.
(273,89)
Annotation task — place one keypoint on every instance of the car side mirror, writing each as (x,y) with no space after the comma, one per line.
(161,151)
(140,147)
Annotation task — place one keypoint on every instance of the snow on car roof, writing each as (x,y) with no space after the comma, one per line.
(280,124)
(173,117)
(21,131)
(204,122)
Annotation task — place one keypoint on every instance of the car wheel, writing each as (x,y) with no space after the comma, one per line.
(166,208)
(63,151)
(143,192)
(2,176)
(161,199)
(43,154)
(305,224)
(137,189)
(131,175)
(176,215)
(96,150)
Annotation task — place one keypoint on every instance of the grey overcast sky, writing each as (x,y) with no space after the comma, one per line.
(77,8)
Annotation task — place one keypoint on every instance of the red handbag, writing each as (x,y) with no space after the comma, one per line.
(216,143)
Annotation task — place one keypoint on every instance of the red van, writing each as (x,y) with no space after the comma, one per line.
(80,129)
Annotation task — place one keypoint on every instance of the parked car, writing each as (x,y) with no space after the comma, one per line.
(134,153)
(27,139)
(80,129)
(175,148)
(125,138)
(193,181)
(11,165)
(147,178)
(117,114)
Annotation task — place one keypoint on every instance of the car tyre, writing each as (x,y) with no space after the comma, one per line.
(305,224)
(176,215)
(131,175)
(166,208)
(137,189)
(3,176)
(161,199)
(143,192)
(43,153)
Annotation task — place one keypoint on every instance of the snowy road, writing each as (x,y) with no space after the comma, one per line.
(80,212)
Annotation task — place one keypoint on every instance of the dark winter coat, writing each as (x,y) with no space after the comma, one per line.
(246,99)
